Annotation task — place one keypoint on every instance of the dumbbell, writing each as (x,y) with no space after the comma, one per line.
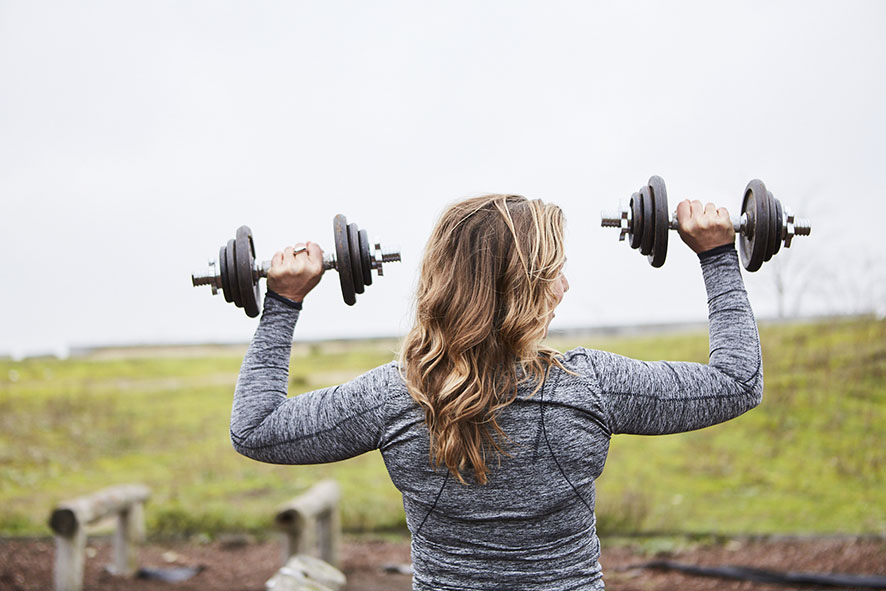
(763,226)
(236,273)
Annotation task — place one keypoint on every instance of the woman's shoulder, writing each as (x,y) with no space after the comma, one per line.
(389,378)
(579,367)
(384,376)
(580,357)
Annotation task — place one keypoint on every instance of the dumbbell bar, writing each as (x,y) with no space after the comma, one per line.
(764,224)
(236,273)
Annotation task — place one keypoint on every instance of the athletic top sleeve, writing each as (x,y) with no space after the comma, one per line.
(325,425)
(655,398)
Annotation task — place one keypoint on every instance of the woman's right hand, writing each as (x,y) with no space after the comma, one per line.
(704,227)
(293,275)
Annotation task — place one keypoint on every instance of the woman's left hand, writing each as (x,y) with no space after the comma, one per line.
(294,274)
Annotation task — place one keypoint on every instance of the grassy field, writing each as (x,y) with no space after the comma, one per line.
(812,458)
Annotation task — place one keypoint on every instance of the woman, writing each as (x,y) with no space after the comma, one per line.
(494,439)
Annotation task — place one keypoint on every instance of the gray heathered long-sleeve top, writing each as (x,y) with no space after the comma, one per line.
(532,525)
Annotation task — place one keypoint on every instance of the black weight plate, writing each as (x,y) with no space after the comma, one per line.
(245,254)
(764,221)
(768,236)
(223,271)
(772,235)
(779,225)
(343,259)
(365,257)
(660,204)
(648,219)
(755,205)
(636,233)
(231,266)
(356,261)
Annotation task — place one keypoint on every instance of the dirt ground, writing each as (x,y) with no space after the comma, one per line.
(235,565)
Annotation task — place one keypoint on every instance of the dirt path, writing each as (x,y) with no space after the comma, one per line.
(26,565)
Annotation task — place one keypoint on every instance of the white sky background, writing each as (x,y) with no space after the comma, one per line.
(136,136)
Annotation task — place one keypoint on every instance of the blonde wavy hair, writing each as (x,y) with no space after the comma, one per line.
(485,296)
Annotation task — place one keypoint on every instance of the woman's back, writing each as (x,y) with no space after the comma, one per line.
(532,521)
(495,440)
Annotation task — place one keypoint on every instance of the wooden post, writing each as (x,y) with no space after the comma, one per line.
(137,521)
(311,523)
(329,534)
(125,560)
(70,554)
(69,521)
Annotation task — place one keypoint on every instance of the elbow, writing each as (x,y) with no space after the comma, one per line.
(754,392)
(239,444)
(746,394)
(256,449)
(752,387)
(757,393)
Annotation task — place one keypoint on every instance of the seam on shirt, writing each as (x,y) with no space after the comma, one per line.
(260,368)
(384,410)
(586,414)
(659,398)
(601,398)
(434,506)
(677,379)
(314,434)
(551,450)
(755,376)
(714,350)
(602,420)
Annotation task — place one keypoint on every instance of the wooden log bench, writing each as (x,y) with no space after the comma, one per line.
(70,519)
(311,523)
(311,528)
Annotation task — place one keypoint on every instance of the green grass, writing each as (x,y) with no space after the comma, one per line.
(812,458)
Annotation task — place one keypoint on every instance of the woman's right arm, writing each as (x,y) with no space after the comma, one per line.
(652,398)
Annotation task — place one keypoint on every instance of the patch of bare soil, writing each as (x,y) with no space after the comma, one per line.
(26,565)
(854,556)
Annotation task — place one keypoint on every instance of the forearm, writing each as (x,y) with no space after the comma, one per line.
(263,382)
(734,340)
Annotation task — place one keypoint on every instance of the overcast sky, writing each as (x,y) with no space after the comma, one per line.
(135,137)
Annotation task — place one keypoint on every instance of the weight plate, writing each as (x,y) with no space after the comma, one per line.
(660,205)
(755,205)
(223,271)
(779,225)
(647,218)
(231,266)
(365,257)
(636,233)
(356,261)
(767,235)
(244,252)
(771,237)
(343,259)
